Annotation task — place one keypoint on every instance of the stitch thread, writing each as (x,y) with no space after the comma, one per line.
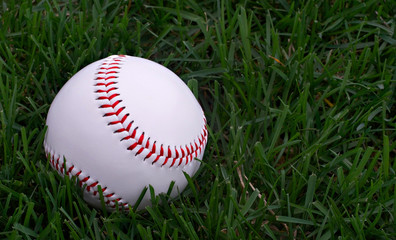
(108,71)
(111,199)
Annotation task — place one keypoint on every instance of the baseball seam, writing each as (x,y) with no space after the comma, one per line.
(110,102)
(64,168)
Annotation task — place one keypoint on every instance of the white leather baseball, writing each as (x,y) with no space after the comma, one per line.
(125,123)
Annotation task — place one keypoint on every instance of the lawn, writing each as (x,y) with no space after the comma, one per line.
(299,99)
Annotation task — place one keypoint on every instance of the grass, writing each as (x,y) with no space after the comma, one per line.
(299,98)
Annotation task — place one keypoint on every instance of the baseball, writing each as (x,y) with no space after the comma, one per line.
(125,123)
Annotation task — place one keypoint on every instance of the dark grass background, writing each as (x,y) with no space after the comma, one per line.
(299,98)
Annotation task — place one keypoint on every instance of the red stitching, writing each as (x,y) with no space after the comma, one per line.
(122,120)
(162,151)
(92,186)
(141,139)
(132,146)
(111,105)
(134,132)
(148,155)
(156,159)
(106,73)
(188,150)
(114,113)
(169,152)
(55,163)
(166,160)
(120,130)
(173,162)
(183,153)
(105,78)
(177,153)
(108,98)
(130,124)
(109,68)
(140,151)
(108,91)
(105,84)
(69,171)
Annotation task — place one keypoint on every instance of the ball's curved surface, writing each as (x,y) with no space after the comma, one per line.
(125,123)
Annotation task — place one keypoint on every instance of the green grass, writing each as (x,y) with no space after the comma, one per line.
(303,147)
